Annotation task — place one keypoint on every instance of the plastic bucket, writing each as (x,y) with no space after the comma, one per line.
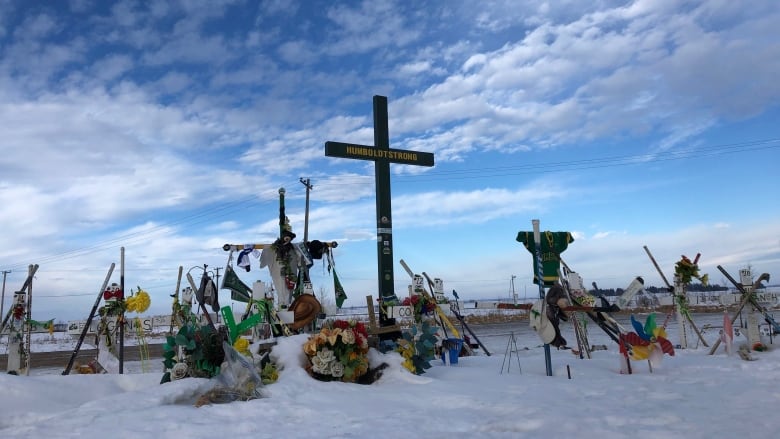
(450,350)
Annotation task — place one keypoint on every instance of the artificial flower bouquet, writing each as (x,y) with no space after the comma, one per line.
(422,305)
(688,270)
(416,346)
(338,352)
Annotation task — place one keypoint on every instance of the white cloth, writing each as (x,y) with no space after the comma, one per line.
(268,259)
(243,256)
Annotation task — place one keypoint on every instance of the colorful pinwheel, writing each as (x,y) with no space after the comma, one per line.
(649,341)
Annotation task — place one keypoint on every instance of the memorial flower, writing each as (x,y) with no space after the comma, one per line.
(338,352)
(421,304)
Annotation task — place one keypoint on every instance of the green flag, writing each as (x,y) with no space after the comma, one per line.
(239,296)
(341,296)
(299,284)
(34,324)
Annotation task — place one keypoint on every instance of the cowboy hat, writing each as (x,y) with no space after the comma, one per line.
(306,308)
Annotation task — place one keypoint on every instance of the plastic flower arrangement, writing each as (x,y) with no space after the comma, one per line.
(417,348)
(139,302)
(422,305)
(202,350)
(338,352)
(114,301)
(688,270)
(241,345)
(269,373)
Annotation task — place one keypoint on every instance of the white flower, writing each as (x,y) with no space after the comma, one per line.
(325,355)
(319,366)
(179,371)
(337,369)
(348,336)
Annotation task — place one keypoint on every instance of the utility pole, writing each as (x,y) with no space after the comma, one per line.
(512,283)
(309,187)
(2,298)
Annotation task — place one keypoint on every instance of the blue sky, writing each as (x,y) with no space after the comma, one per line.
(168,128)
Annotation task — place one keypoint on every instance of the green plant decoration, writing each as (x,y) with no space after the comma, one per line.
(201,348)
(417,347)
(269,374)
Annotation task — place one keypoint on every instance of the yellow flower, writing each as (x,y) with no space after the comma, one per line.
(242,346)
(310,347)
(334,336)
(139,302)
(361,370)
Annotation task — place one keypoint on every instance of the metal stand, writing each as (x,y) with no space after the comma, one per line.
(511,348)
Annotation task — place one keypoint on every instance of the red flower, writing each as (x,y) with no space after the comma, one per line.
(411,301)
(361,328)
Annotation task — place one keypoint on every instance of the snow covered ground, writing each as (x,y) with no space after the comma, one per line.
(505,395)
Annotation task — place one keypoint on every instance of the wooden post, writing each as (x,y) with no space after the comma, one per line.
(540,277)
(121,319)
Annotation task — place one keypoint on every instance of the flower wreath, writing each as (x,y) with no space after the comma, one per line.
(338,352)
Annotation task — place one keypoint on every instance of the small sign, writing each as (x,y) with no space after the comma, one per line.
(401,312)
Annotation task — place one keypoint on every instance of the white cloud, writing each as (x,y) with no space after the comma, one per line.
(297,52)
(414,68)
(174,125)
(173,82)
(371,26)
(111,67)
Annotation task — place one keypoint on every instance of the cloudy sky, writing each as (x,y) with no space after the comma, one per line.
(167,128)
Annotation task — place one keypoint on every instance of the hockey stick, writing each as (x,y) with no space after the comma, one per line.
(746,298)
(439,313)
(89,321)
(26,284)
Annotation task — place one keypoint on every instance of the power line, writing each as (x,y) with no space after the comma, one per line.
(210,214)
(592,163)
(190,220)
